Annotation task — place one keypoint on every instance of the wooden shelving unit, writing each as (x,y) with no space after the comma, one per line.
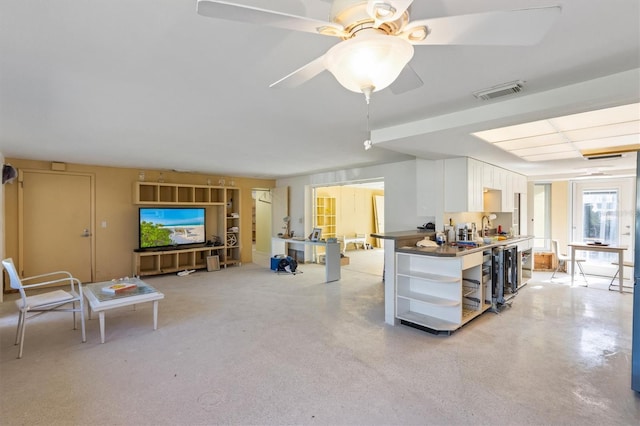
(165,262)
(232,227)
(223,221)
(152,193)
(326,216)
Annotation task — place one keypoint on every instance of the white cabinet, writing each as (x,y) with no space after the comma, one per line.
(525,260)
(507,192)
(440,293)
(463,185)
(487,176)
(465,180)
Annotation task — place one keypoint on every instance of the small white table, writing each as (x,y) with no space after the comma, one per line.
(101,302)
(606,248)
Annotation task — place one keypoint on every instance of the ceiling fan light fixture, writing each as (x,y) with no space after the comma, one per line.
(383,10)
(418,33)
(370,59)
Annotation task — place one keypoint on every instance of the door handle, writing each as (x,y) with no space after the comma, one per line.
(626,233)
(86,233)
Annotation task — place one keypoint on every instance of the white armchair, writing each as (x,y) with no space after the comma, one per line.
(52,301)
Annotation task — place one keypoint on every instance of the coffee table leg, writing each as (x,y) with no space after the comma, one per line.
(155,314)
(101,315)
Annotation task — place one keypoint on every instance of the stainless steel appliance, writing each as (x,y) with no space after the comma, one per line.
(505,276)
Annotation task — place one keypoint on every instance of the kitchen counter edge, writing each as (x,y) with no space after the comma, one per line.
(446,250)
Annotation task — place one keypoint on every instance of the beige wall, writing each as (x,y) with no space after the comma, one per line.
(354,209)
(560,214)
(114,205)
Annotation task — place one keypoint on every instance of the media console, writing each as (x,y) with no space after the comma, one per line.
(168,261)
(222,204)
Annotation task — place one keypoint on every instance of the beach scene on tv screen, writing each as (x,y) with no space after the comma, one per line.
(166,227)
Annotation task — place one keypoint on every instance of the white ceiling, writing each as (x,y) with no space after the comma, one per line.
(151,84)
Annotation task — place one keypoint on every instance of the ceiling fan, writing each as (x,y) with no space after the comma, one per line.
(378,37)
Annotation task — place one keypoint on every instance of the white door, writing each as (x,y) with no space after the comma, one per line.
(56,226)
(604,211)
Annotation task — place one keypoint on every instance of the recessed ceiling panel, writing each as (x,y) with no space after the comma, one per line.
(531,142)
(606,131)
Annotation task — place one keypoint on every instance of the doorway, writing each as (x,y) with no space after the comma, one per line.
(55,230)
(347,211)
(261,220)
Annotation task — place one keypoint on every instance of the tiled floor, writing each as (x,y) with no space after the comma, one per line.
(244,345)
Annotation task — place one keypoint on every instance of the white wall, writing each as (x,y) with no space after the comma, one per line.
(400,192)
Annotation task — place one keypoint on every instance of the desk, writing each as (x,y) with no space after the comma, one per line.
(332,254)
(602,248)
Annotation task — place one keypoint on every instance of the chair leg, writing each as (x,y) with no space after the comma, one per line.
(613,279)
(84,336)
(75,323)
(557,269)
(586,283)
(22,329)
(20,325)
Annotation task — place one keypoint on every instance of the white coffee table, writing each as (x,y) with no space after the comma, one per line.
(101,302)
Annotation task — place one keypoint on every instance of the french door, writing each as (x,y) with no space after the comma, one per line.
(604,211)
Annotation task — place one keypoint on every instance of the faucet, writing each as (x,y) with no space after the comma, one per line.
(485,229)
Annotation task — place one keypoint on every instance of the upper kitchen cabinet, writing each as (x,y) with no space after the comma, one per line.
(466,179)
(463,185)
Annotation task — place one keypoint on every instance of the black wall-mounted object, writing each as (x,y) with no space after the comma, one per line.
(9,173)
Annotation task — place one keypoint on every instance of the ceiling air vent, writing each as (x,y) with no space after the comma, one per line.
(499,90)
(602,157)
(609,152)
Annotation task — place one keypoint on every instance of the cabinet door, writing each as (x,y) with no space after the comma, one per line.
(487,176)
(507,192)
(475,186)
(456,182)
(463,185)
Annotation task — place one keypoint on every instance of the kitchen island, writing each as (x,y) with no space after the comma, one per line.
(442,288)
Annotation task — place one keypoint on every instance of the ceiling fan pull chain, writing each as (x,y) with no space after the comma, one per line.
(367,142)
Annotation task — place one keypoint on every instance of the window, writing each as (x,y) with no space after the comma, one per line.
(542,215)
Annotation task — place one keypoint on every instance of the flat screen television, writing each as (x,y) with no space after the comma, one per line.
(170,227)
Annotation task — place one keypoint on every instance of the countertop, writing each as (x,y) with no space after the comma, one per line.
(403,234)
(452,250)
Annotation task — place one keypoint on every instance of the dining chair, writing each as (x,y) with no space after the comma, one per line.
(42,302)
(564,259)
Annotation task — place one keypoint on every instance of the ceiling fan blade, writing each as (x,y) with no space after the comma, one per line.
(520,27)
(387,10)
(406,81)
(302,74)
(255,15)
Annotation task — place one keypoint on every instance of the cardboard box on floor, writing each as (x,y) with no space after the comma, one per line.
(544,262)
